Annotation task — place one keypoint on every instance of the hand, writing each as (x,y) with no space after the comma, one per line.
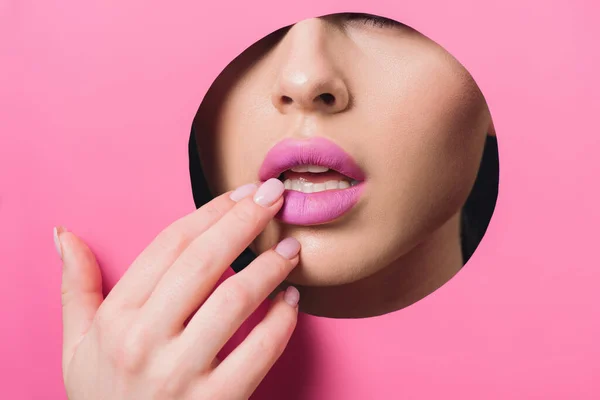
(158,332)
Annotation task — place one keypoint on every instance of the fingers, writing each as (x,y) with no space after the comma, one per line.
(81,290)
(196,271)
(233,302)
(138,282)
(248,364)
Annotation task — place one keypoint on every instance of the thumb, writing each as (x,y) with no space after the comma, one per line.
(81,289)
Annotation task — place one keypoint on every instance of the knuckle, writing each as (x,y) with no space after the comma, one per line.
(131,351)
(246,214)
(235,296)
(212,211)
(196,262)
(269,344)
(173,238)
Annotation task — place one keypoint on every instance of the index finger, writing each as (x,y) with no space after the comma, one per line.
(140,279)
(192,277)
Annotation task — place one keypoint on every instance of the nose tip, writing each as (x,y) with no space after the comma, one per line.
(328,94)
(310,75)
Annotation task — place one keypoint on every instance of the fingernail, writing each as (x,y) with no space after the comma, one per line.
(291,296)
(269,192)
(243,191)
(58,231)
(288,248)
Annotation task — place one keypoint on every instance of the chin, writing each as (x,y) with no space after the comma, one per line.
(323,273)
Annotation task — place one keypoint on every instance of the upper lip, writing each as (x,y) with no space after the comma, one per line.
(289,153)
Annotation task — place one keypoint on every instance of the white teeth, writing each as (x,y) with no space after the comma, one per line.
(310,187)
(318,187)
(310,168)
(307,187)
(300,168)
(317,169)
(331,185)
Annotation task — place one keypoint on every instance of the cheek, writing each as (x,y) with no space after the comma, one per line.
(248,126)
(428,148)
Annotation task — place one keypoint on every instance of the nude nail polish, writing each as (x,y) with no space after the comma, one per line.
(269,192)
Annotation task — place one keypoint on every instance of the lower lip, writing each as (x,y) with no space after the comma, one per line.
(318,208)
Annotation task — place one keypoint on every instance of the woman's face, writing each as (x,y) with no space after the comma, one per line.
(403,108)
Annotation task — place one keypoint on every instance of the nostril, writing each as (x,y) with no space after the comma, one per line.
(327,98)
(286,100)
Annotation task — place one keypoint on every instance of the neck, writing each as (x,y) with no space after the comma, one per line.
(408,279)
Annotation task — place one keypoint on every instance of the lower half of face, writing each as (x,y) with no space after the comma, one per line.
(405,200)
(417,128)
(415,183)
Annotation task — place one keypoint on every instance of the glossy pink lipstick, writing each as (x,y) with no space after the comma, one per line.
(301,208)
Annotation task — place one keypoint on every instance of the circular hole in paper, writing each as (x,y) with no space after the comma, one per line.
(403,109)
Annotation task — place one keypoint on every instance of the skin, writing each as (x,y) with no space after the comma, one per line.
(409,114)
(158,332)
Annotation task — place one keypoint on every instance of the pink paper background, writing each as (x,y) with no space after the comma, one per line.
(96,101)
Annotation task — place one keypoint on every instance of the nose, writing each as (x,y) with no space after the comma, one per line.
(310,76)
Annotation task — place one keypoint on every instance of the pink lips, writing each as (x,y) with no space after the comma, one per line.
(313,208)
